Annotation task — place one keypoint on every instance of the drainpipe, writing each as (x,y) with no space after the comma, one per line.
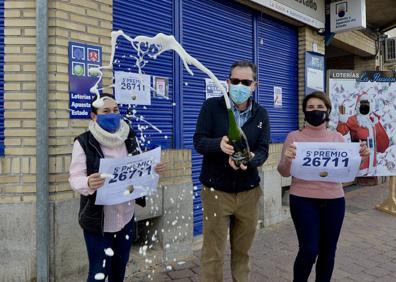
(42,205)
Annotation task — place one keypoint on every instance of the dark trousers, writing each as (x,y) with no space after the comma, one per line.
(318,225)
(114,266)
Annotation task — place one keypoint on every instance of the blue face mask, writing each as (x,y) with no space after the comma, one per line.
(109,122)
(239,93)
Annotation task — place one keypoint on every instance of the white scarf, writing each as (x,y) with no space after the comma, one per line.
(364,121)
(108,139)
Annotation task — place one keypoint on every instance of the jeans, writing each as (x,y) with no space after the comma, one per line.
(318,225)
(114,266)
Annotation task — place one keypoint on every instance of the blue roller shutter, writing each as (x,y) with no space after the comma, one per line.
(2,78)
(217,33)
(140,17)
(278,66)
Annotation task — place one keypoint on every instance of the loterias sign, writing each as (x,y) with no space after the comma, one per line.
(310,12)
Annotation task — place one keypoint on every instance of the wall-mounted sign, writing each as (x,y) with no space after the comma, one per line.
(277,97)
(132,88)
(314,72)
(347,15)
(212,90)
(82,57)
(161,86)
(310,12)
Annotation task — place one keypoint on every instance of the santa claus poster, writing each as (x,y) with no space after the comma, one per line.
(364,110)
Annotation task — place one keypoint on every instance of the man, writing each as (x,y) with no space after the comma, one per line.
(365,125)
(230,194)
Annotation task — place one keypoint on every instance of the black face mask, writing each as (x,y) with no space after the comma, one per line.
(364,108)
(316,117)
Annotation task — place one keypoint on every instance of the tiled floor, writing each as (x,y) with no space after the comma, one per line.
(366,250)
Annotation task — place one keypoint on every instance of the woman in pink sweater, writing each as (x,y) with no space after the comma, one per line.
(317,207)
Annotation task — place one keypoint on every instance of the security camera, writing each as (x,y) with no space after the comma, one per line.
(321,30)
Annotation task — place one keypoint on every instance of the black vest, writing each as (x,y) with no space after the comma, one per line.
(90,215)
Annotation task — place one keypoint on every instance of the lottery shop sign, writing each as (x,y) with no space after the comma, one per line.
(82,58)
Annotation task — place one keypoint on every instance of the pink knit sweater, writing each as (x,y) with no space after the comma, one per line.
(304,188)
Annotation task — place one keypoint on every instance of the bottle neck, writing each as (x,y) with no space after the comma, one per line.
(233,130)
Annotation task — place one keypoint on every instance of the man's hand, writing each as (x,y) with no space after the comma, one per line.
(95,181)
(225,147)
(290,152)
(232,164)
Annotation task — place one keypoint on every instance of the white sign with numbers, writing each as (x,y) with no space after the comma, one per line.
(132,88)
(128,178)
(326,161)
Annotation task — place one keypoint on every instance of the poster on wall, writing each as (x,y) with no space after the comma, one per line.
(132,88)
(161,86)
(314,72)
(212,90)
(277,97)
(82,58)
(364,110)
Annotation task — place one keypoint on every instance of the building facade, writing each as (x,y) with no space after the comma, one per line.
(217,33)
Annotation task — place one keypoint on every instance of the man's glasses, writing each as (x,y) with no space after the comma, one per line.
(236,81)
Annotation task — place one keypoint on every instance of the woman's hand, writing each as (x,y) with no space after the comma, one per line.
(290,152)
(95,181)
(225,147)
(364,151)
(160,168)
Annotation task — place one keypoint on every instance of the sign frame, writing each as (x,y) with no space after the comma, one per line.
(82,57)
(314,62)
(295,10)
(347,15)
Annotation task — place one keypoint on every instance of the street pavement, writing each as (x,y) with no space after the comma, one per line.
(366,249)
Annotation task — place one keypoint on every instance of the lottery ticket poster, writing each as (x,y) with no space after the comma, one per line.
(331,162)
(128,178)
(364,109)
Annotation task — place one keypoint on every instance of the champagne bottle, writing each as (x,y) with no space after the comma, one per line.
(238,140)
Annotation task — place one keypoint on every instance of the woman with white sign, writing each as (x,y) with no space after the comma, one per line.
(317,207)
(108,230)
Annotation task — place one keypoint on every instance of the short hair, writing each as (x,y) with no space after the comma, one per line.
(319,95)
(245,64)
(94,109)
